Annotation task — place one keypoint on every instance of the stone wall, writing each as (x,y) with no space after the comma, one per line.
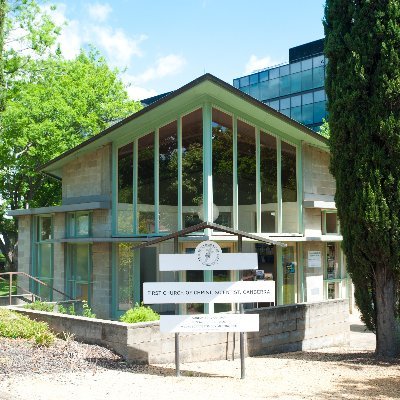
(282,329)
(101,259)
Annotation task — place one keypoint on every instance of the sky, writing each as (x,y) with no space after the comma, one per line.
(160,45)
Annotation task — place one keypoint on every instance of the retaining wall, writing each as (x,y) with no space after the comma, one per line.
(282,329)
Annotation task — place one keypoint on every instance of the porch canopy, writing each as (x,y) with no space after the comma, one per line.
(215,227)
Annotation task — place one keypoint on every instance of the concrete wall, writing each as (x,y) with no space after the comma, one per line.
(89,175)
(101,263)
(282,329)
(316,176)
(59,256)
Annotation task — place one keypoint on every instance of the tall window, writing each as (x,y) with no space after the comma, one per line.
(44,270)
(246,176)
(125,189)
(145,186)
(289,188)
(124,275)
(168,177)
(192,168)
(269,183)
(222,167)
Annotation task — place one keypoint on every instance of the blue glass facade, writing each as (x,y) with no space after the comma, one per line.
(295,89)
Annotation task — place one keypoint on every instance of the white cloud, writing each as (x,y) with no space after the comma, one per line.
(140,93)
(99,12)
(165,66)
(256,63)
(119,47)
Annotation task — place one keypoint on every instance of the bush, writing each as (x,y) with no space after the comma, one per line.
(87,311)
(40,306)
(14,326)
(139,314)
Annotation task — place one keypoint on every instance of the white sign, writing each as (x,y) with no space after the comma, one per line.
(203,261)
(314,259)
(210,323)
(315,288)
(208,292)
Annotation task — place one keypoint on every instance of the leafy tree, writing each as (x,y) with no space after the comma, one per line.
(60,104)
(363,86)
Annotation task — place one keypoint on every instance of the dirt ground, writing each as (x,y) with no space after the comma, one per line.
(336,373)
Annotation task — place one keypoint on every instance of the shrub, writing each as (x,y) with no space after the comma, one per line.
(40,306)
(139,313)
(14,325)
(87,311)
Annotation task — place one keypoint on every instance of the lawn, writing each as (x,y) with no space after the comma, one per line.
(4,287)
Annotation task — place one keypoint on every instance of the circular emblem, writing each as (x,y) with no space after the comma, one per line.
(208,253)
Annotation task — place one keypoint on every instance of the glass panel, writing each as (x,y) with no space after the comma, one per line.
(246,166)
(253,79)
(45,228)
(307,114)
(306,80)
(194,276)
(272,88)
(307,98)
(295,113)
(192,168)
(284,103)
(274,73)
(289,188)
(289,274)
(286,112)
(222,167)
(295,67)
(245,89)
(125,189)
(284,70)
(222,276)
(306,64)
(285,85)
(82,225)
(71,225)
(332,267)
(254,90)
(264,86)
(263,76)
(145,186)
(274,104)
(319,111)
(45,256)
(319,95)
(331,222)
(268,178)
(318,61)
(244,81)
(168,175)
(125,276)
(318,77)
(236,83)
(295,83)
(81,263)
(295,101)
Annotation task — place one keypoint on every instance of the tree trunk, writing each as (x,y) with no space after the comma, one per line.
(387,342)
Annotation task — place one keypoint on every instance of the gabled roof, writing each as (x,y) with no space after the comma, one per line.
(208,85)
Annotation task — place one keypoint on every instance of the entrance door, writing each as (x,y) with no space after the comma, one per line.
(289,274)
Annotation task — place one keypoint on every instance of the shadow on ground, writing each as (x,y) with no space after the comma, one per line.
(387,388)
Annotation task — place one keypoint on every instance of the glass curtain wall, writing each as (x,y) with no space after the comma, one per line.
(125,189)
(124,276)
(192,168)
(222,167)
(269,183)
(168,177)
(289,188)
(145,185)
(80,280)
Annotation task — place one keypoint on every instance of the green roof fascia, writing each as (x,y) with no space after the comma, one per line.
(206,88)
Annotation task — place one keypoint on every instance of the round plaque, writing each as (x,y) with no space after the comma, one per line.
(208,253)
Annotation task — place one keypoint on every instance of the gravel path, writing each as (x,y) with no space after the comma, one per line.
(71,370)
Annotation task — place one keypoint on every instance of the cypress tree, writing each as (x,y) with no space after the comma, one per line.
(363,86)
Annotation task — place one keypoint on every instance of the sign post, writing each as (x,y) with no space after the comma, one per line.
(208,256)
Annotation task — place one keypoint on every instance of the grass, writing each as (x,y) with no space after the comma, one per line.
(4,287)
(17,326)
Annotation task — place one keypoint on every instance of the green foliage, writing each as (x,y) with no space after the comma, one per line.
(5,287)
(87,311)
(14,325)
(363,86)
(140,313)
(62,309)
(71,309)
(40,306)
(324,129)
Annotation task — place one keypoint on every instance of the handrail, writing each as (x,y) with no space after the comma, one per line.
(10,275)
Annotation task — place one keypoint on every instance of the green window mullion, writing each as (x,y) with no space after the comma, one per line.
(156,182)
(135,182)
(258,182)
(179,138)
(279,183)
(235,177)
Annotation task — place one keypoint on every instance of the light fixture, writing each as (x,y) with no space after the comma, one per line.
(215,213)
